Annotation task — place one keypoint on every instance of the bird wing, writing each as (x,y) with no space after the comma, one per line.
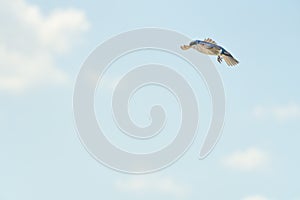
(210,41)
(203,48)
(185,47)
(229,59)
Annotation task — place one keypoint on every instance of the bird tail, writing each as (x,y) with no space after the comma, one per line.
(229,59)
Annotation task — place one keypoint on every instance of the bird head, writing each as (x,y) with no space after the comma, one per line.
(193,42)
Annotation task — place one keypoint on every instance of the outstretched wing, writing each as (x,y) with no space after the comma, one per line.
(229,59)
(210,41)
(185,47)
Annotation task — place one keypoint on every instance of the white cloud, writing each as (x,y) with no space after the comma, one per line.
(146,184)
(30,42)
(279,112)
(255,197)
(248,160)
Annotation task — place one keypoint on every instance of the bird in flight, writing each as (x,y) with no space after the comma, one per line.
(210,47)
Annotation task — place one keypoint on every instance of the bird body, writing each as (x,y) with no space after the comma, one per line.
(210,47)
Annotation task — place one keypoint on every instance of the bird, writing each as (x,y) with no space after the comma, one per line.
(210,47)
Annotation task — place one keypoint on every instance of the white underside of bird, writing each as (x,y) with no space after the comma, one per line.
(210,47)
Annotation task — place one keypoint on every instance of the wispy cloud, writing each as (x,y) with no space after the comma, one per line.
(31,41)
(285,112)
(160,185)
(247,160)
(255,197)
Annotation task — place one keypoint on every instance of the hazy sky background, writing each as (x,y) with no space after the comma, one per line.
(42,47)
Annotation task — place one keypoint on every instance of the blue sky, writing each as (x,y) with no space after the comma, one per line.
(42,47)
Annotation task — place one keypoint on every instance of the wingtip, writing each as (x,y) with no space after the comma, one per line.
(185,47)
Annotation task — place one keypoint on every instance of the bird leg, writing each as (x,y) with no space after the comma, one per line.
(185,47)
(219,59)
